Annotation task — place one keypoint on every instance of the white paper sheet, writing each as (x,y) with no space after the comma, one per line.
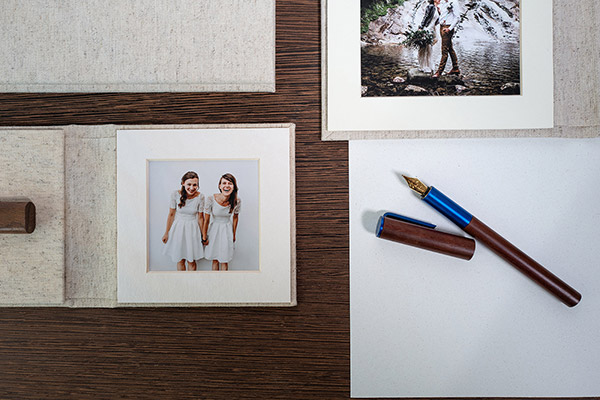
(429,325)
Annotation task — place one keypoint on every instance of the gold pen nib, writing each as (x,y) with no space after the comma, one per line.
(416,185)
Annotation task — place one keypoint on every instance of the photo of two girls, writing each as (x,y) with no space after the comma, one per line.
(197,221)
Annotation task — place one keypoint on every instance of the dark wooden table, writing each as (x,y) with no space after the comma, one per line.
(229,353)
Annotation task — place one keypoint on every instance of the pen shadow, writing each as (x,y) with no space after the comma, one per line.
(400,175)
(370,218)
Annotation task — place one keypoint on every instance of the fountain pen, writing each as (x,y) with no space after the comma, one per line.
(495,242)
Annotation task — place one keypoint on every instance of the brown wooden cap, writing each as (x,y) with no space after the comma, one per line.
(423,235)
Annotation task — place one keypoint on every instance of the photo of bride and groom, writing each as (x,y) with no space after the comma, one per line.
(440,47)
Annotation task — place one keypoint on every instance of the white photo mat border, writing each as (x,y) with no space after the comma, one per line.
(275,283)
(347,115)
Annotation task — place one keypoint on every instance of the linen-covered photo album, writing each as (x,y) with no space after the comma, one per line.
(154,215)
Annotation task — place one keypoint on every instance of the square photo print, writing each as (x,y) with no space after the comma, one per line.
(205,216)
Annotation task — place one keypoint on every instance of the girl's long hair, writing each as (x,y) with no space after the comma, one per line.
(233,196)
(185,177)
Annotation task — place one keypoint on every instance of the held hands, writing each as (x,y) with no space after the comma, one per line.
(205,241)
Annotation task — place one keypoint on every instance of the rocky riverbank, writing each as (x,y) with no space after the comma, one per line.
(486,69)
(418,83)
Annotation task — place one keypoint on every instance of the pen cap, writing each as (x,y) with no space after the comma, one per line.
(422,235)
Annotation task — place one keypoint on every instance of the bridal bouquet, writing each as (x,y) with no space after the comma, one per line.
(418,39)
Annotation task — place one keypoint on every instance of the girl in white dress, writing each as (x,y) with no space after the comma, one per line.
(220,223)
(183,236)
(430,21)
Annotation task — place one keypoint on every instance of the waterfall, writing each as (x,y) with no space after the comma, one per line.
(481,20)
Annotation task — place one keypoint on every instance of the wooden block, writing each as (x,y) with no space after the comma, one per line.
(17,215)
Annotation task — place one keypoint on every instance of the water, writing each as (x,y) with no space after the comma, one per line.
(485,67)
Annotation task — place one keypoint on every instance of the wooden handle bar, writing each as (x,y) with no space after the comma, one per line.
(523,262)
(17,215)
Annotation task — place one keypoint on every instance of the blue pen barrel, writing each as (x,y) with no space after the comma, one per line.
(447,207)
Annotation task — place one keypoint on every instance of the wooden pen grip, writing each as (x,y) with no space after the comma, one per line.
(523,262)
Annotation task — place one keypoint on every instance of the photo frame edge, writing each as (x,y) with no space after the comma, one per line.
(329,135)
(292,181)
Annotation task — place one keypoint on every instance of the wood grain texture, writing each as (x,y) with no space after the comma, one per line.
(210,353)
